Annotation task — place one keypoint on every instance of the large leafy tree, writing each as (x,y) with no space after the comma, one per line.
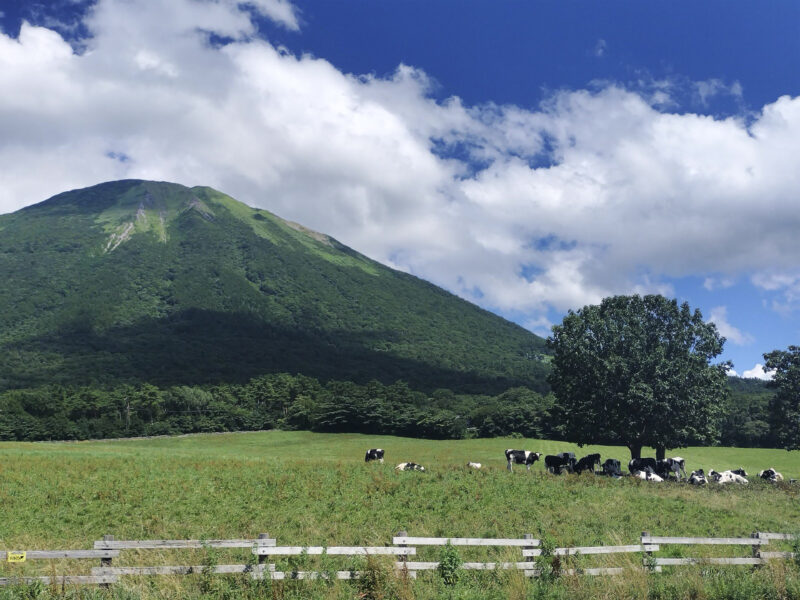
(637,371)
(785,405)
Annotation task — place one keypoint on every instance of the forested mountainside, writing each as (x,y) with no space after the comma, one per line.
(136,281)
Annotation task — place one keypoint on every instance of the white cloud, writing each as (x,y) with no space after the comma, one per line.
(758,372)
(719,316)
(716,283)
(630,196)
(600,48)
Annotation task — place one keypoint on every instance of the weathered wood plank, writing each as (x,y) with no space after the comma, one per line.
(178,570)
(768,555)
(596,550)
(653,539)
(334,550)
(708,561)
(442,541)
(177,544)
(417,566)
(320,575)
(765,535)
(53,554)
(61,580)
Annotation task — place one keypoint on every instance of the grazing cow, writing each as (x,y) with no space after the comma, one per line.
(727,477)
(474,465)
(374,454)
(647,474)
(409,466)
(698,477)
(771,475)
(611,468)
(587,463)
(559,462)
(640,464)
(521,457)
(671,466)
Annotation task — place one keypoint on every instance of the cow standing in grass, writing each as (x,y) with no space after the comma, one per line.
(587,463)
(521,457)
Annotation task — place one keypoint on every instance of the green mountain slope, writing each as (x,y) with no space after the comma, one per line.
(136,281)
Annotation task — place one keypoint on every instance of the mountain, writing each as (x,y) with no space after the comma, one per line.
(138,281)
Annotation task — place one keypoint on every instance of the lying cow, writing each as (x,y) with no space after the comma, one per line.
(474,465)
(740,471)
(521,457)
(727,477)
(647,474)
(671,466)
(698,477)
(587,463)
(640,464)
(611,468)
(564,461)
(771,475)
(374,454)
(409,466)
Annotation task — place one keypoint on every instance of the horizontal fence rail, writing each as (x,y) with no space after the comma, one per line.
(55,554)
(404,547)
(443,541)
(334,550)
(180,544)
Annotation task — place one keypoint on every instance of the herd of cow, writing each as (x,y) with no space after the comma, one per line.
(648,469)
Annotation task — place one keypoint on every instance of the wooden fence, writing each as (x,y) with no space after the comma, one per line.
(403,547)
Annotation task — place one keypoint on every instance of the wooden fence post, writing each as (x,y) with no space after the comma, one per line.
(403,533)
(648,555)
(756,547)
(528,536)
(262,558)
(106,562)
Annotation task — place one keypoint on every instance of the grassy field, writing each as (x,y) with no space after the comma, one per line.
(304,488)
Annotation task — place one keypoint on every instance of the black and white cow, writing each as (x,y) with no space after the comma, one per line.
(587,463)
(409,466)
(611,468)
(671,466)
(521,457)
(740,472)
(640,464)
(771,475)
(564,461)
(727,477)
(374,454)
(647,474)
(698,477)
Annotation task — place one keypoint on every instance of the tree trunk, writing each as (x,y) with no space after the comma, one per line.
(660,452)
(636,451)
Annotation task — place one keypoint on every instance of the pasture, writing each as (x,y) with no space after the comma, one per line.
(315,489)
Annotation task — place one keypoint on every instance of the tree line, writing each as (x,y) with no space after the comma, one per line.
(297,402)
(282,401)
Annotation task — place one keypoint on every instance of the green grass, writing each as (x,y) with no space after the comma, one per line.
(306,488)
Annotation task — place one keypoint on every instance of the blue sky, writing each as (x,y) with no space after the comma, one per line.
(529,156)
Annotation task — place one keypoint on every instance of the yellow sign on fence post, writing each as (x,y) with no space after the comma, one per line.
(16,557)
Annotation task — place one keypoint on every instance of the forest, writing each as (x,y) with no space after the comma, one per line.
(298,402)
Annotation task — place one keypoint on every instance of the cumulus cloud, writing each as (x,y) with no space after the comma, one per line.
(719,316)
(758,372)
(590,194)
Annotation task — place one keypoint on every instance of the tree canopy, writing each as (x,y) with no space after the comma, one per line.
(637,371)
(785,405)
